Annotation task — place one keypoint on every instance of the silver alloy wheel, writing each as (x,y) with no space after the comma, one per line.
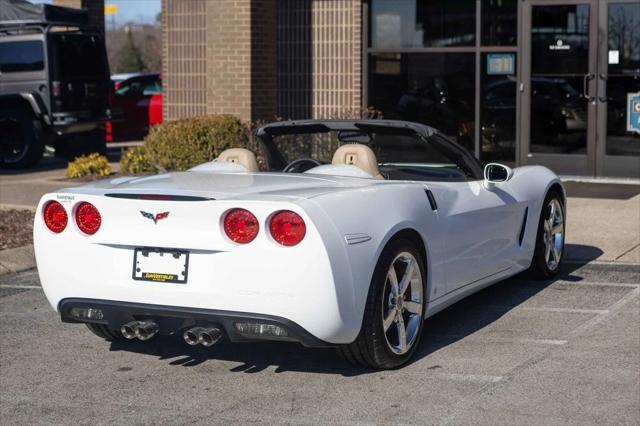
(402,303)
(553,234)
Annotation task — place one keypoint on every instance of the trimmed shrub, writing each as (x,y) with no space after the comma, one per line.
(89,165)
(134,161)
(182,144)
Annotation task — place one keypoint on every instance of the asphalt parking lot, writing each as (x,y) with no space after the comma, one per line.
(525,352)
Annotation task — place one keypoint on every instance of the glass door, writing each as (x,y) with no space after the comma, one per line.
(619,89)
(559,82)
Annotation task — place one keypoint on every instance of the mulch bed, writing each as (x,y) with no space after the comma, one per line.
(16,228)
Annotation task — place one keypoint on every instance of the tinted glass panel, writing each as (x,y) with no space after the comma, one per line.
(559,64)
(399,157)
(498,108)
(624,77)
(432,88)
(499,22)
(17,56)
(422,23)
(78,56)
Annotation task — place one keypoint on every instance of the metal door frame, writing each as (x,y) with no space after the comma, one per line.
(565,164)
(608,165)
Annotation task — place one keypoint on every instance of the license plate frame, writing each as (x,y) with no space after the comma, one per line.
(176,273)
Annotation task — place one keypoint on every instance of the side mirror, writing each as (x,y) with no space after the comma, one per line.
(496,173)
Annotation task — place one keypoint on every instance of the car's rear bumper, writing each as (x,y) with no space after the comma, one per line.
(172,319)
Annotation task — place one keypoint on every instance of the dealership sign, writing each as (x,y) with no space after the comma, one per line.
(633,112)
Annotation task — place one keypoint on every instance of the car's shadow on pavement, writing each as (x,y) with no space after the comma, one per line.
(447,327)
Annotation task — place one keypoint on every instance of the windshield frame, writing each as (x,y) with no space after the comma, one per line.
(446,146)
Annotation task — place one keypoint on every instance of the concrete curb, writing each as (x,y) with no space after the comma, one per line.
(17,259)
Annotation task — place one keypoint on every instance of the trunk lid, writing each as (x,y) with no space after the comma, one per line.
(220,186)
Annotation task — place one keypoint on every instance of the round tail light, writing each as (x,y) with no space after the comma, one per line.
(241,226)
(55,217)
(88,218)
(287,228)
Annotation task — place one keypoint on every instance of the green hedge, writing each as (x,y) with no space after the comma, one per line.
(182,144)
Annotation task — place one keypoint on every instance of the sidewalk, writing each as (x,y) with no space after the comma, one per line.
(603,219)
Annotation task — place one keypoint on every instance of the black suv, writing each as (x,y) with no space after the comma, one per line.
(54,83)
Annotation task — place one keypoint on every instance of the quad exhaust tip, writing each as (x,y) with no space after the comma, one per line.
(205,336)
(142,330)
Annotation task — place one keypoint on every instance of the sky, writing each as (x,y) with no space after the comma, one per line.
(136,11)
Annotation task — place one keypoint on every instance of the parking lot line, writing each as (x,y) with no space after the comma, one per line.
(565,310)
(600,262)
(596,283)
(19,286)
(468,378)
(613,308)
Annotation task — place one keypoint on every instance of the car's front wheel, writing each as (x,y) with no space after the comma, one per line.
(549,248)
(394,313)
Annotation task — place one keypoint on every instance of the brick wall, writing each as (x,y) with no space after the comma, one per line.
(94,7)
(263,60)
(319,57)
(219,57)
(229,57)
(337,56)
(184,58)
(260,58)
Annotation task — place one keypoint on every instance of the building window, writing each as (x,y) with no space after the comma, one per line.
(436,89)
(498,107)
(422,23)
(499,22)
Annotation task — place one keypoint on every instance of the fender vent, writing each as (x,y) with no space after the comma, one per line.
(432,200)
(523,227)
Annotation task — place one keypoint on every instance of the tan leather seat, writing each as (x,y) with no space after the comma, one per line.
(358,155)
(241,156)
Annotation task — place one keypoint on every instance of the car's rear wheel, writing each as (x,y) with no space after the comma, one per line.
(549,250)
(394,313)
(22,139)
(105,332)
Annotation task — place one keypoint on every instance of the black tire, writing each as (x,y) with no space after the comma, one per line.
(540,268)
(371,348)
(104,332)
(21,137)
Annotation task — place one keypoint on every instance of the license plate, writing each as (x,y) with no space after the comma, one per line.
(160,265)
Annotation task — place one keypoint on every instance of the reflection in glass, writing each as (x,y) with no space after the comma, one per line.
(499,22)
(432,88)
(422,23)
(497,113)
(559,64)
(624,76)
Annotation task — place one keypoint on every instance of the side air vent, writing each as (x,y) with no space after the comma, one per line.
(524,226)
(158,197)
(432,200)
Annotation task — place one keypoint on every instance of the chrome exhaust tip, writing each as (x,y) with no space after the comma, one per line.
(209,336)
(146,330)
(129,329)
(192,336)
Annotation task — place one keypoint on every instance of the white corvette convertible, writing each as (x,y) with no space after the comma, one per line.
(358,232)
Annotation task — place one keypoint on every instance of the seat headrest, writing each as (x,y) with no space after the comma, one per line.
(358,155)
(241,156)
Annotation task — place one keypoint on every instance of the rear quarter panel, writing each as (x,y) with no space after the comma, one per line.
(379,212)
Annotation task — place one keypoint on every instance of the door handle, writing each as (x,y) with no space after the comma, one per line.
(585,88)
(604,79)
